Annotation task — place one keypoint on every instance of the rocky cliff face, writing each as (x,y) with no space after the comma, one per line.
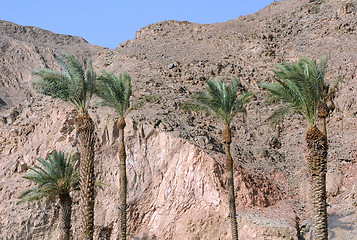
(175,168)
(175,188)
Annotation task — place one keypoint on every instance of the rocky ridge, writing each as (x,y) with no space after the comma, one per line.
(182,196)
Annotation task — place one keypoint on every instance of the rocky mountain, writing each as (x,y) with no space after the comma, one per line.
(26,48)
(175,159)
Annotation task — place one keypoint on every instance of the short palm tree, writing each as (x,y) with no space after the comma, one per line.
(56,177)
(301,86)
(115,92)
(222,101)
(75,86)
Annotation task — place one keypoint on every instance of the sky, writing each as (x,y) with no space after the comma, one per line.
(109,22)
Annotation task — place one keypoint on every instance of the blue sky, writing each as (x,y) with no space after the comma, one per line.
(109,22)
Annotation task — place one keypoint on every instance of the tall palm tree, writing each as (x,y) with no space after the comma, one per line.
(302,87)
(222,101)
(56,177)
(115,92)
(76,86)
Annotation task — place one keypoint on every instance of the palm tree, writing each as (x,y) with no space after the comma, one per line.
(115,92)
(222,101)
(57,177)
(301,86)
(76,86)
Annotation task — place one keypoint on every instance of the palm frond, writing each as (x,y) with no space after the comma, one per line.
(114,92)
(71,84)
(51,83)
(300,85)
(54,175)
(210,104)
(91,77)
(239,104)
(126,81)
(220,100)
(280,114)
(30,194)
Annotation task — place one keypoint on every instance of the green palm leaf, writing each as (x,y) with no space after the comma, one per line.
(56,175)
(301,86)
(220,100)
(114,92)
(72,84)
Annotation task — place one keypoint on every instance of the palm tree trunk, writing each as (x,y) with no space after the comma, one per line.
(227,136)
(65,216)
(323,126)
(322,113)
(85,133)
(317,165)
(122,181)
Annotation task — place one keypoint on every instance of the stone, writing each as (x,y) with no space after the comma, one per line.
(13,166)
(255,227)
(274,143)
(333,182)
(353,196)
(22,167)
(13,115)
(202,140)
